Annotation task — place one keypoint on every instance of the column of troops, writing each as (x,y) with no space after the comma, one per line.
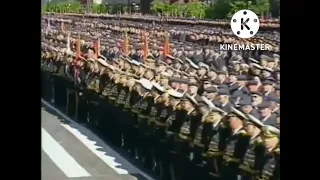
(183,117)
(265,24)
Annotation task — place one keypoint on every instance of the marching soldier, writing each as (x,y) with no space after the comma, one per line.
(224,100)
(182,138)
(119,104)
(157,92)
(144,109)
(136,97)
(93,91)
(216,144)
(126,107)
(267,117)
(248,160)
(267,166)
(46,77)
(59,88)
(236,123)
(202,136)
(170,100)
(109,116)
(186,136)
(247,108)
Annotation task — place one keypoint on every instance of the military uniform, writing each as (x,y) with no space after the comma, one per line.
(47,93)
(267,166)
(236,144)
(202,138)
(162,154)
(167,138)
(184,141)
(144,109)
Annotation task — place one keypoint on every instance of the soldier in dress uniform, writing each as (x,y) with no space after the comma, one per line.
(232,81)
(255,68)
(250,158)
(276,174)
(93,90)
(224,100)
(71,92)
(257,99)
(46,76)
(203,68)
(164,80)
(108,118)
(211,93)
(247,108)
(267,117)
(169,101)
(157,91)
(241,90)
(253,85)
(268,89)
(124,86)
(138,104)
(236,123)
(144,109)
(186,136)
(267,167)
(216,143)
(131,99)
(202,136)
(59,83)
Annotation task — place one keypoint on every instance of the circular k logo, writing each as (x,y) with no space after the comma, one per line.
(245,24)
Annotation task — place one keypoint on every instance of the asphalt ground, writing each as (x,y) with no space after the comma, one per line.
(72,151)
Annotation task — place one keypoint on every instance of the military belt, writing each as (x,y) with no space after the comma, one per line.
(127,106)
(134,111)
(158,123)
(152,120)
(247,169)
(184,137)
(230,159)
(199,144)
(214,154)
(143,116)
(171,133)
(112,98)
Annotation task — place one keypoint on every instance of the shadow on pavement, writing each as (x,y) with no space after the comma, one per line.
(124,165)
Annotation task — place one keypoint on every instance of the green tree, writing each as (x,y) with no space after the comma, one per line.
(195,9)
(221,9)
(260,7)
(238,5)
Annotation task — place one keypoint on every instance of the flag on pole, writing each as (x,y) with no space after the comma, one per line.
(78,57)
(49,25)
(62,27)
(125,45)
(166,46)
(68,43)
(78,49)
(97,48)
(145,45)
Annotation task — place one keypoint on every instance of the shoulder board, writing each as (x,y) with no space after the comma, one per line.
(242,132)
(245,134)
(277,151)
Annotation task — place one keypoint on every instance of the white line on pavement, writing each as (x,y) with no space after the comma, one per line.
(94,137)
(61,157)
